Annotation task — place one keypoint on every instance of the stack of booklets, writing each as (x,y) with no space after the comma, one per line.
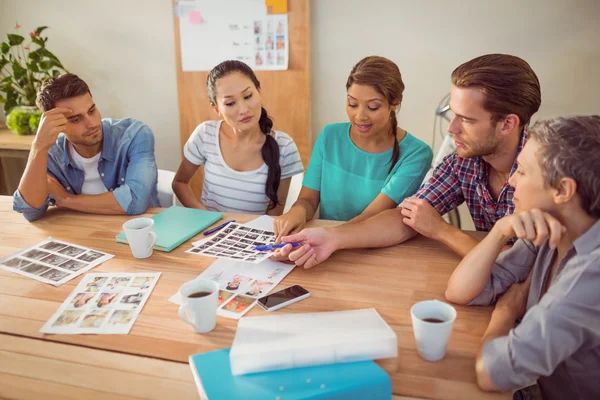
(347,381)
(175,225)
(324,355)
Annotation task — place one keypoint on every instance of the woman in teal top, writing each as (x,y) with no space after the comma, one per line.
(364,166)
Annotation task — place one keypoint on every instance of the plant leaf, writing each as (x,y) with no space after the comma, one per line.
(5,47)
(18,70)
(3,62)
(46,65)
(40,29)
(38,41)
(15,40)
(55,73)
(51,56)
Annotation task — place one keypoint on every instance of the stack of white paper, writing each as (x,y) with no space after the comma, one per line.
(298,340)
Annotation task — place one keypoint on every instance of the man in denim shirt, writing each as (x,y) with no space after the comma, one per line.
(82,162)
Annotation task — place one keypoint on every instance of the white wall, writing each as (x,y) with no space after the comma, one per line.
(429,38)
(123,49)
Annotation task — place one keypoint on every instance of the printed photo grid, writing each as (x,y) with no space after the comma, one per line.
(106,303)
(236,242)
(53,261)
(241,284)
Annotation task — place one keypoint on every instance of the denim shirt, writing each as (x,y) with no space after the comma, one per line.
(127,167)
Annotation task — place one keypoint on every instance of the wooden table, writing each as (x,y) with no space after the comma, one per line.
(152,360)
(14,151)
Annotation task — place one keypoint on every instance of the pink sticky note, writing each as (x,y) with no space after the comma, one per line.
(195,17)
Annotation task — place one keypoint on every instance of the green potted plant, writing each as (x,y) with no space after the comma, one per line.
(23,67)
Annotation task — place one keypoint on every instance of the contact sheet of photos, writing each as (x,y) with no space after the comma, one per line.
(242,284)
(53,261)
(104,303)
(236,242)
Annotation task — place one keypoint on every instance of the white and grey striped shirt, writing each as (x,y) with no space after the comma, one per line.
(225,189)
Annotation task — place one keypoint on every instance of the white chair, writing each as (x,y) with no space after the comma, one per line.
(166,197)
(294,191)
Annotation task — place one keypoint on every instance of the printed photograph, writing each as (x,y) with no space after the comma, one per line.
(238,234)
(280,58)
(258,287)
(257,27)
(93,319)
(228,230)
(35,269)
(256,231)
(68,317)
(224,296)
(90,256)
(270,43)
(246,241)
(96,283)
(120,317)
(276,272)
(221,236)
(71,251)
(210,253)
(106,299)
(133,300)
(195,250)
(244,228)
(239,304)
(236,281)
(143,282)
(36,254)
(53,246)
(280,43)
(251,237)
(119,281)
(270,60)
(54,274)
(54,259)
(228,243)
(240,246)
(280,28)
(17,263)
(81,299)
(73,265)
(265,238)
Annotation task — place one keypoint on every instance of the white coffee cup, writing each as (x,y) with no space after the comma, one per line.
(432,337)
(140,235)
(200,312)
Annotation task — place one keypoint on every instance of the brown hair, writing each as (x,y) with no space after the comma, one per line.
(62,87)
(270,150)
(509,84)
(569,148)
(384,76)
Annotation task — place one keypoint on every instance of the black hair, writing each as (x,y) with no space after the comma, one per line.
(270,150)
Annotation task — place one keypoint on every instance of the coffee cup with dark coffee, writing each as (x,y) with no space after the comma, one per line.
(432,322)
(200,300)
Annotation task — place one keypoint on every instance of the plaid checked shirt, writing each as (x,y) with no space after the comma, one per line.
(456,180)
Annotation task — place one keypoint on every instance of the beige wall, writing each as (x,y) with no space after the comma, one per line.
(125,50)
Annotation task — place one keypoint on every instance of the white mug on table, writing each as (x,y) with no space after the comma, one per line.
(432,322)
(199,304)
(140,236)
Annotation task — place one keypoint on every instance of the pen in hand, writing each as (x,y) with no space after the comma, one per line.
(269,247)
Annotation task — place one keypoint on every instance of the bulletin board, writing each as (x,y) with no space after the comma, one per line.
(285,94)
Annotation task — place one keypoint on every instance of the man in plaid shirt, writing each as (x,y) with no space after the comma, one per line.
(493,98)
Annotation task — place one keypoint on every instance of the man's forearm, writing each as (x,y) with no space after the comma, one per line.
(105,203)
(382,230)
(458,241)
(33,185)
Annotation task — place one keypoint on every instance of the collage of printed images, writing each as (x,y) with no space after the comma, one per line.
(270,39)
(53,261)
(236,242)
(104,301)
(237,294)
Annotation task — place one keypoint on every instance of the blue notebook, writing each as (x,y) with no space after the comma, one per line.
(347,381)
(175,225)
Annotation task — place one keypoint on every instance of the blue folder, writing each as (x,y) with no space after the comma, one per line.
(175,225)
(347,381)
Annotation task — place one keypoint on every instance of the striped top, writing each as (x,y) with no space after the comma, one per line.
(227,190)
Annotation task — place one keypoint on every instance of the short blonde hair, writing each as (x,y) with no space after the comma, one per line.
(570,148)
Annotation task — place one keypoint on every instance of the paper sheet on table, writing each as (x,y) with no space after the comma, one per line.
(284,341)
(241,284)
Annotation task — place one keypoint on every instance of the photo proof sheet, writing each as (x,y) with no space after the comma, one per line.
(53,261)
(241,284)
(106,303)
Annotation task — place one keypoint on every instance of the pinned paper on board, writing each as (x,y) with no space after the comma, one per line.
(232,30)
(277,6)
(195,17)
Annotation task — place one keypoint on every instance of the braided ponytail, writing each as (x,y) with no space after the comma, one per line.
(394,131)
(270,155)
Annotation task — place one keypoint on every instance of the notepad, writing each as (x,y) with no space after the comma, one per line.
(347,381)
(175,225)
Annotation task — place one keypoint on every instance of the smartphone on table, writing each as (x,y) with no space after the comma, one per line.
(287,296)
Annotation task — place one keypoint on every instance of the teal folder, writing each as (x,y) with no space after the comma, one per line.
(175,225)
(347,381)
